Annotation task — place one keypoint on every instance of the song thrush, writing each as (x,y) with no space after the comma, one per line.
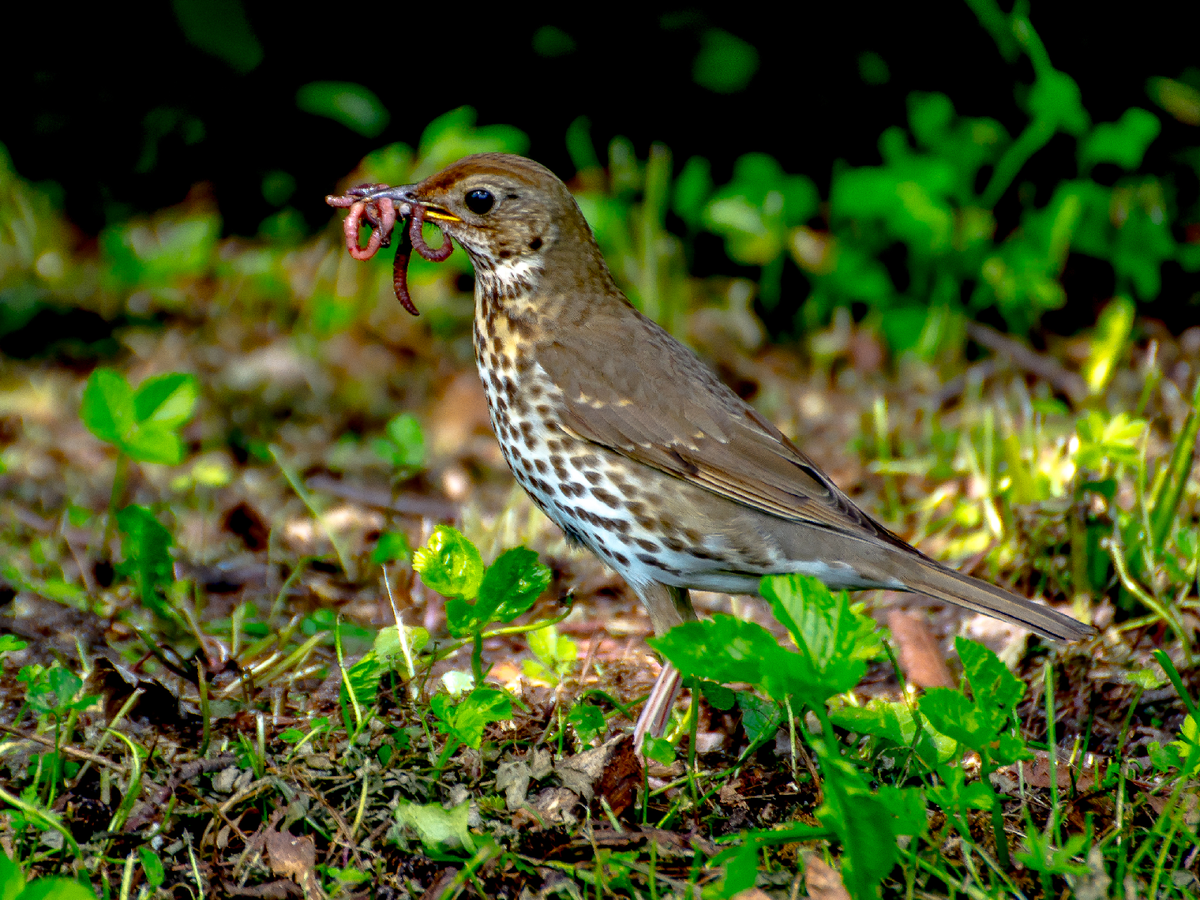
(631,445)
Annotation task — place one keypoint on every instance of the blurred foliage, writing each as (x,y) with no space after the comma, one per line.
(942,228)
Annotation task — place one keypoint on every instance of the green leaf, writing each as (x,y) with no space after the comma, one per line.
(222,29)
(725,63)
(894,722)
(387,643)
(56,889)
(166,401)
(951,713)
(1180,100)
(1055,98)
(12,879)
(347,103)
(1109,342)
(834,639)
(391,547)
(152,866)
(587,720)
(1041,855)
(760,718)
(717,695)
(956,796)
(404,446)
(147,443)
(108,408)
(1123,142)
(994,687)
(741,871)
(692,188)
(146,546)
(364,677)
(439,829)
(454,135)
(727,649)
(658,749)
(449,564)
(512,583)
(10,643)
(865,824)
(465,719)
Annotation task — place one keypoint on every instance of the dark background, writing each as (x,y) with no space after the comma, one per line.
(115,105)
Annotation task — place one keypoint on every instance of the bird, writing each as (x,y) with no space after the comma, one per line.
(634,447)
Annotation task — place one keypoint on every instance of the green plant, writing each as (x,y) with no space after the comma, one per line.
(143,424)
(451,565)
(832,644)
(402,446)
(14,886)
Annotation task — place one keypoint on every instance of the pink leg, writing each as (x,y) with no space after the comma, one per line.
(657,711)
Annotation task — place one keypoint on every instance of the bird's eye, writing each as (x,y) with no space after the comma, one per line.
(479,201)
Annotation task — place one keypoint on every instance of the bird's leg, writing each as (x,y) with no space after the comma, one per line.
(657,711)
(668,607)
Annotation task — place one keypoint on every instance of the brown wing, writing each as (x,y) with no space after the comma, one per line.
(652,400)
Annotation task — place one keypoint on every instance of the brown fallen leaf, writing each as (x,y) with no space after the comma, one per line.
(824,882)
(920,656)
(295,857)
(610,771)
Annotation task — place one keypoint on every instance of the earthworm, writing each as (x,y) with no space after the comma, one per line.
(418,240)
(381,212)
(400,268)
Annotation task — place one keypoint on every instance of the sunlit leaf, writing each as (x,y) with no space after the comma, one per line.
(449,564)
(108,409)
(465,718)
(438,828)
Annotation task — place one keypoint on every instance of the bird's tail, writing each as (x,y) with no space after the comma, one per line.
(927,576)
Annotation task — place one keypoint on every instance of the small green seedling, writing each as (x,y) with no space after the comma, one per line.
(982,723)
(146,546)
(450,565)
(402,446)
(555,656)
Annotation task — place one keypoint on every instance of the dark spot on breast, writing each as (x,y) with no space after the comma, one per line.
(510,197)
(592,477)
(647,559)
(504,254)
(605,497)
(541,466)
(646,545)
(535,244)
(620,559)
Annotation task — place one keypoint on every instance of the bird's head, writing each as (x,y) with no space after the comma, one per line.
(507,212)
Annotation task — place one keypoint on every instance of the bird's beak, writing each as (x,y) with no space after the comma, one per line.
(407,194)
